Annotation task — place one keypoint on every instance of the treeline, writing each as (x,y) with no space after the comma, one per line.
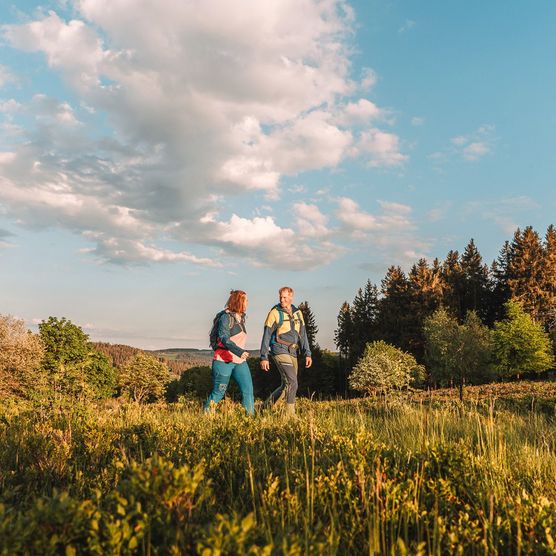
(461,284)
(119,354)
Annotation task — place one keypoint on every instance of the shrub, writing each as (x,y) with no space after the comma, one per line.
(144,378)
(21,353)
(383,367)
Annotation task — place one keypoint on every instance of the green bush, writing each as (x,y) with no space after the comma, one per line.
(383,368)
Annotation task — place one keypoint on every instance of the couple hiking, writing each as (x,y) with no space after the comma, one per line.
(284,336)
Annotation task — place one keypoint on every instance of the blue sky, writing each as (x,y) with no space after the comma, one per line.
(152,159)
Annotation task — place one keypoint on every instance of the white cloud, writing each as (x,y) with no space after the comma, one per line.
(369,79)
(476,144)
(383,148)
(394,216)
(407,25)
(475,150)
(311,222)
(417,121)
(6,76)
(202,98)
(505,213)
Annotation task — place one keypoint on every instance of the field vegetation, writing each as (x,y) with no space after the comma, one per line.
(387,475)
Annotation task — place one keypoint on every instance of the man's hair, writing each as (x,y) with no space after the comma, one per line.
(236,301)
(285,289)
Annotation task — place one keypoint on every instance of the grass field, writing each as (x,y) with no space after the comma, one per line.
(420,475)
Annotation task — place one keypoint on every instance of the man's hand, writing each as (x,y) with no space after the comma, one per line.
(245,355)
(265,365)
(308,362)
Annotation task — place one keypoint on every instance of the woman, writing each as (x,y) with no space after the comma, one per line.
(230,357)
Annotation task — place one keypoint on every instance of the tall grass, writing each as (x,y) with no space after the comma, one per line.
(345,477)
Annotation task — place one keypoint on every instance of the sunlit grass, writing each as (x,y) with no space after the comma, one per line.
(383,476)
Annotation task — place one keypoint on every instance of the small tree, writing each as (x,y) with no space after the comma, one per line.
(383,367)
(143,377)
(459,353)
(21,353)
(521,345)
(72,363)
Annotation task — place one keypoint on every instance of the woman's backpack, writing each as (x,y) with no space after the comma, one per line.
(213,334)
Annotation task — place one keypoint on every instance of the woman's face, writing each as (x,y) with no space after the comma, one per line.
(245,304)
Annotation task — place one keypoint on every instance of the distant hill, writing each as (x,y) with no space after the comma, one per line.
(177,359)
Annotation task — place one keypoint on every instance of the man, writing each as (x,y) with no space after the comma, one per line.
(284,334)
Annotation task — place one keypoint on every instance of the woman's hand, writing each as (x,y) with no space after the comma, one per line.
(245,355)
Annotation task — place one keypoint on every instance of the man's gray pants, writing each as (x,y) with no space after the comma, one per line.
(287,367)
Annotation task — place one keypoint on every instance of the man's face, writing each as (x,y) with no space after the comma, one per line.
(286,298)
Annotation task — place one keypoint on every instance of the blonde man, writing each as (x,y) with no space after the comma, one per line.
(284,335)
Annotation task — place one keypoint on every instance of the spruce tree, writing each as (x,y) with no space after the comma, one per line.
(499,288)
(394,317)
(343,337)
(310,325)
(548,305)
(364,311)
(426,288)
(525,276)
(475,283)
(454,283)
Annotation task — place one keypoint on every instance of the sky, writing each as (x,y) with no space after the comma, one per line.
(155,154)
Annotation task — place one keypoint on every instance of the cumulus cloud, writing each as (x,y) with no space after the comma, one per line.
(311,222)
(6,76)
(394,217)
(471,147)
(505,213)
(382,148)
(202,101)
(390,232)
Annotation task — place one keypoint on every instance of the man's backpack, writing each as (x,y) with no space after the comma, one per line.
(213,335)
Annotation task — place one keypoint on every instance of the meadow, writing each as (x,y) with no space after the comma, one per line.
(403,475)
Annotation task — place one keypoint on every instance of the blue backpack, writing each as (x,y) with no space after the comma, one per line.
(213,334)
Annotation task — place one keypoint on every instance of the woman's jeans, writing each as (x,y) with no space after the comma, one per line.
(221,374)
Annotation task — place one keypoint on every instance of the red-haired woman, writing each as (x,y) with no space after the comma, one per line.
(230,357)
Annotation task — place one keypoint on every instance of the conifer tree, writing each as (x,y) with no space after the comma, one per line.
(548,306)
(364,310)
(453,279)
(525,276)
(394,317)
(499,288)
(343,337)
(475,283)
(310,325)
(426,289)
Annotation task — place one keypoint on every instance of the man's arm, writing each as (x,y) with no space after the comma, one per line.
(269,327)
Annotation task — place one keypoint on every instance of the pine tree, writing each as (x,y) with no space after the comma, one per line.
(394,316)
(453,278)
(499,288)
(343,337)
(476,283)
(525,276)
(364,311)
(548,306)
(310,325)
(426,288)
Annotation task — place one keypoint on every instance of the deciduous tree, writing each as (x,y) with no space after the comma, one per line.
(521,345)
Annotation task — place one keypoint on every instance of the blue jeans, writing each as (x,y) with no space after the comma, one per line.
(221,374)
